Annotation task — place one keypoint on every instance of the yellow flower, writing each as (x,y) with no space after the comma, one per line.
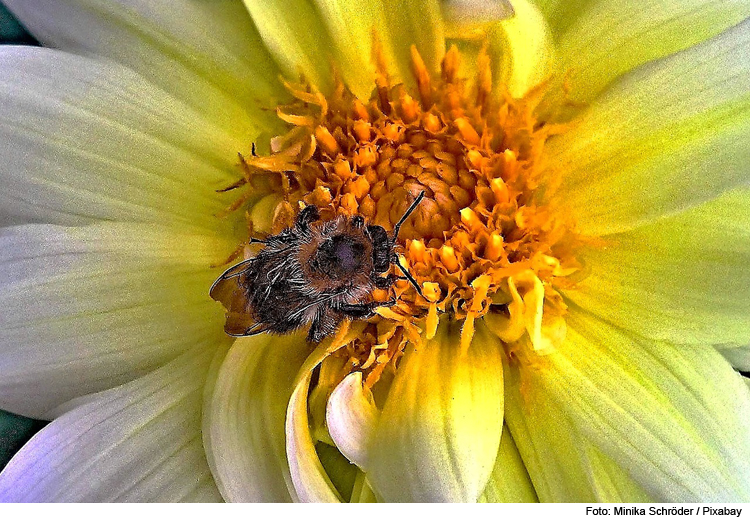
(582,249)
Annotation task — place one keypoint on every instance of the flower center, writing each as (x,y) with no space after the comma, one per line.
(484,241)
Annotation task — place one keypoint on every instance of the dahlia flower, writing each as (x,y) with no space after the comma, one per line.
(581,250)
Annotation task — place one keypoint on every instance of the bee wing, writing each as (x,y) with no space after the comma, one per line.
(235,271)
(230,290)
(254,329)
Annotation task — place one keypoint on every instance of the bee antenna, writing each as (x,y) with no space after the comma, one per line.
(410,278)
(408,212)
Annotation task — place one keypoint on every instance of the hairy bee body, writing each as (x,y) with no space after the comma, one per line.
(313,273)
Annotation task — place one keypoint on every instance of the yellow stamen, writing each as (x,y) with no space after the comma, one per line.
(326,141)
(362,131)
(470,218)
(448,257)
(467,131)
(423,78)
(494,249)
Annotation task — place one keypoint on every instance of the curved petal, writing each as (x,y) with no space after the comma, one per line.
(88,308)
(522,49)
(351,417)
(676,418)
(245,415)
(295,34)
(397,25)
(138,442)
(439,432)
(311,482)
(85,139)
(563,464)
(207,54)
(668,136)
(509,482)
(683,279)
(738,357)
(604,39)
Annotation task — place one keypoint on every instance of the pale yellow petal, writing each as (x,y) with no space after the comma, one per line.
(509,482)
(683,278)
(676,419)
(439,432)
(354,24)
(606,38)
(245,415)
(295,34)
(352,417)
(208,55)
(522,49)
(669,135)
(138,442)
(89,308)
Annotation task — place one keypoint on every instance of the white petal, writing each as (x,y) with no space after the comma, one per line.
(684,278)
(563,464)
(666,137)
(677,419)
(603,39)
(88,308)
(295,34)
(351,417)
(85,139)
(207,54)
(311,482)
(439,432)
(138,442)
(397,24)
(245,415)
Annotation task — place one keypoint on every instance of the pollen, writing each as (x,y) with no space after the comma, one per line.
(485,242)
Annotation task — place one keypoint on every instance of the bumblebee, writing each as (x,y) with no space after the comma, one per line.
(313,273)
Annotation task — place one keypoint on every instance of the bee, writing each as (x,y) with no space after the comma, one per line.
(313,273)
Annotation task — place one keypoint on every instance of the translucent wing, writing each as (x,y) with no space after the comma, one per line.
(231,290)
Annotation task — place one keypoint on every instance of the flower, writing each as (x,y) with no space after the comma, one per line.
(578,311)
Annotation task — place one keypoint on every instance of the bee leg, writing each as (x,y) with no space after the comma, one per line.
(385,282)
(323,324)
(358,222)
(363,311)
(308,215)
(408,276)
